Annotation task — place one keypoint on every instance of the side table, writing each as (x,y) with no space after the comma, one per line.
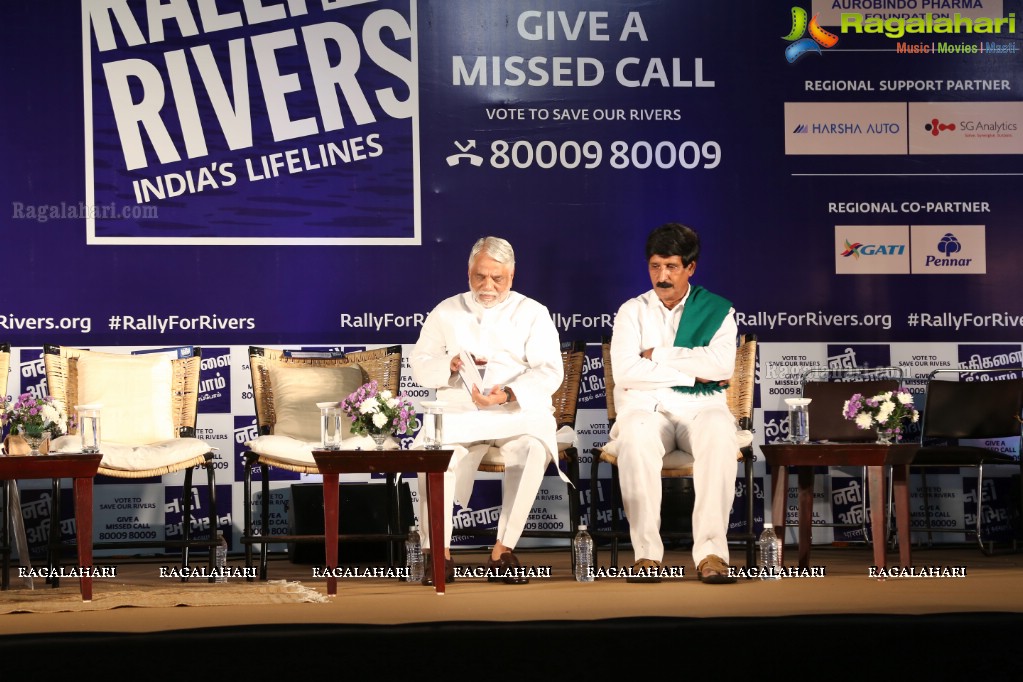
(433,463)
(874,456)
(78,466)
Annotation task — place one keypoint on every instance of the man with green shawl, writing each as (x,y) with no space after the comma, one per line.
(672,353)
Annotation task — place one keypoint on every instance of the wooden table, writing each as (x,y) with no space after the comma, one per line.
(871,455)
(78,466)
(433,463)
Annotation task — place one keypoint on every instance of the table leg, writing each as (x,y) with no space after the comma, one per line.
(900,489)
(83,522)
(805,515)
(330,511)
(779,493)
(435,508)
(878,522)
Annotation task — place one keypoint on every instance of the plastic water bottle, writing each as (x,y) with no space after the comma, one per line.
(414,556)
(770,554)
(582,548)
(221,558)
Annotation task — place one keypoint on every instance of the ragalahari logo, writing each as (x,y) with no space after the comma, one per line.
(852,249)
(936,126)
(802,45)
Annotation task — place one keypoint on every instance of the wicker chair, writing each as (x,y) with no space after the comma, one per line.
(382,365)
(144,460)
(573,357)
(740,402)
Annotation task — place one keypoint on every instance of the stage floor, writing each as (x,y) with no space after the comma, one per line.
(990,584)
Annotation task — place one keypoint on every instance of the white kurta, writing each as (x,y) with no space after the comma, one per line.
(520,343)
(653,419)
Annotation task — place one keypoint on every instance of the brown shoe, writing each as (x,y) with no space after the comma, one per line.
(507,569)
(449,570)
(645,571)
(714,571)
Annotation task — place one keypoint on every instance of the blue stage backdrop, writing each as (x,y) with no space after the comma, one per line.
(313,173)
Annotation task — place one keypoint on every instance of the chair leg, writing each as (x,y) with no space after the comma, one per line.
(186,522)
(750,534)
(247,514)
(264,515)
(53,537)
(211,483)
(615,495)
(592,507)
(980,510)
(573,499)
(927,507)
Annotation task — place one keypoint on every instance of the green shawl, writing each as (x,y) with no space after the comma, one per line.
(701,317)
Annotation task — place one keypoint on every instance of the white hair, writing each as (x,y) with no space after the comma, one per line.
(495,247)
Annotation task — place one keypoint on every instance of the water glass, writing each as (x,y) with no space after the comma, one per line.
(330,425)
(88,427)
(799,419)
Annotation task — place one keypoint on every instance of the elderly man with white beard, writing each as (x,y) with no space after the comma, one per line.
(513,341)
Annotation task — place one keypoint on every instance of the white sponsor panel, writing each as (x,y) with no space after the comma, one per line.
(944,502)
(948,249)
(821,512)
(845,128)
(872,249)
(966,127)
(781,368)
(830,12)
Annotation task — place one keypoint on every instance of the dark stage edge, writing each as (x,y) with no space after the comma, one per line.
(940,646)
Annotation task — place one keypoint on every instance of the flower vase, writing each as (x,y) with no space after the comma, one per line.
(885,438)
(379,439)
(35,440)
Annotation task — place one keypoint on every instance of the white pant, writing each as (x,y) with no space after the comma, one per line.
(525,461)
(706,429)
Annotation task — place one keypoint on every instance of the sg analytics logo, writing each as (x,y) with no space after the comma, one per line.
(935,127)
(801,45)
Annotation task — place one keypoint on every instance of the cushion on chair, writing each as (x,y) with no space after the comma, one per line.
(293,451)
(134,392)
(160,455)
(296,390)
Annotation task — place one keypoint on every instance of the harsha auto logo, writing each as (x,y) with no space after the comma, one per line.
(802,45)
(935,127)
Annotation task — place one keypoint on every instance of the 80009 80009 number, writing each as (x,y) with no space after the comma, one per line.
(590,154)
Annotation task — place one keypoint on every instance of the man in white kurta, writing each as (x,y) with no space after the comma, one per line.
(655,418)
(515,345)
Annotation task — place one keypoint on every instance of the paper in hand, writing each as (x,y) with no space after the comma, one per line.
(470,373)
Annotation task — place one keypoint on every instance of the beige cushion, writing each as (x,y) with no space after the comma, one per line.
(139,458)
(296,390)
(134,392)
(292,451)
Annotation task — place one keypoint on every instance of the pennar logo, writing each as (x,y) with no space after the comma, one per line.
(936,126)
(949,245)
(802,45)
(852,249)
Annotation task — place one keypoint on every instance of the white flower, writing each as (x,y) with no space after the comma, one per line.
(385,394)
(887,395)
(369,407)
(915,417)
(884,411)
(864,420)
(392,403)
(905,398)
(380,419)
(49,414)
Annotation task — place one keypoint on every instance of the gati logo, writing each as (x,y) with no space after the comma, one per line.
(935,127)
(800,44)
(857,249)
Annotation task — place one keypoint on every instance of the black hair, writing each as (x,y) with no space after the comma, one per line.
(674,239)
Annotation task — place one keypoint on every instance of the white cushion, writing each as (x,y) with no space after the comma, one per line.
(293,451)
(139,458)
(680,459)
(296,390)
(134,392)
